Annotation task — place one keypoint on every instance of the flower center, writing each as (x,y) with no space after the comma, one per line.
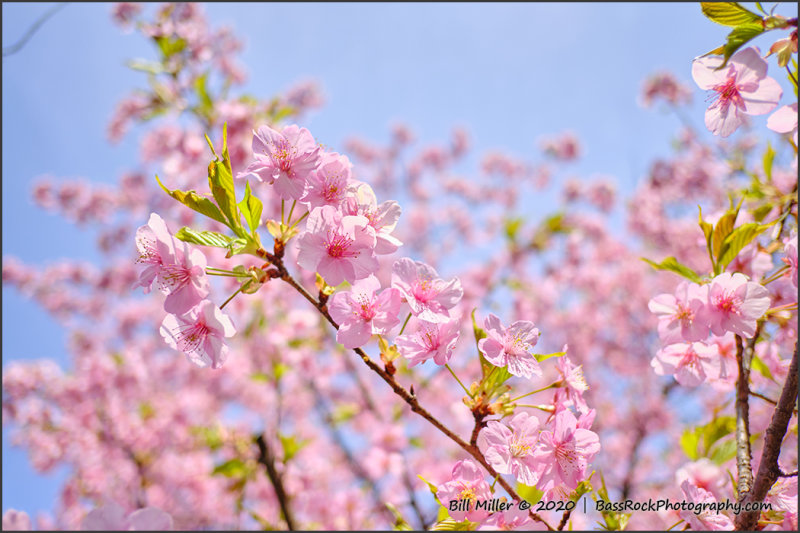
(727,92)
(366,309)
(174,277)
(727,302)
(191,338)
(566,457)
(519,448)
(338,246)
(423,290)
(148,253)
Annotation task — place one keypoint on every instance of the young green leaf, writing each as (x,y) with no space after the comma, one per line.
(673,265)
(723,228)
(251,208)
(738,239)
(728,13)
(545,356)
(738,37)
(204,238)
(192,200)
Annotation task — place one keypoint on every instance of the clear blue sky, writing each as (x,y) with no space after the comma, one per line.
(508,72)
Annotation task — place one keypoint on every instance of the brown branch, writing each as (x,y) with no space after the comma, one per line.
(564,519)
(768,469)
(266,458)
(743,454)
(409,399)
(627,483)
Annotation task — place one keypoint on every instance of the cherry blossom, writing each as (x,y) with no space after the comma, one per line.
(706,519)
(340,248)
(330,183)
(511,347)
(784,120)
(361,311)
(680,316)
(112,517)
(790,252)
(199,334)
(690,363)
(741,87)
(14,520)
(510,451)
(573,383)
(382,218)
(467,483)
(429,297)
(431,340)
(735,304)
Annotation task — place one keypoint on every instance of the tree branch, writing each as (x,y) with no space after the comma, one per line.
(743,454)
(266,458)
(768,469)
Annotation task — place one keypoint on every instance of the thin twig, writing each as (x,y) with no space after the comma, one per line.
(17,46)
(266,458)
(743,454)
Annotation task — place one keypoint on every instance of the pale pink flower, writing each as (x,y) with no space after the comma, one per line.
(784,120)
(199,334)
(509,520)
(330,183)
(511,347)
(742,87)
(680,316)
(14,520)
(430,340)
(383,218)
(361,311)
(706,519)
(467,483)
(790,251)
(285,159)
(340,248)
(429,297)
(573,382)
(664,85)
(112,517)
(564,454)
(690,363)
(783,497)
(735,304)
(510,451)
(706,475)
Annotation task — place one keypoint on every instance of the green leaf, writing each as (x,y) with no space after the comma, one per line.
(689,442)
(291,446)
(737,38)
(200,88)
(728,13)
(152,67)
(716,429)
(738,239)
(512,226)
(761,367)
(400,523)
(232,468)
(724,452)
(448,524)
(170,46)
(707,228)
(251,208)
(544,357)
(192,200)
(204,238)
(220,180)
(769,157)
(530,494)
(673,265)
(723,228)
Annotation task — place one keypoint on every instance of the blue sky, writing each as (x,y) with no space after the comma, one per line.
(510,73)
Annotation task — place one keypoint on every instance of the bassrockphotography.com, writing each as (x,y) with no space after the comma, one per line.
(694,507)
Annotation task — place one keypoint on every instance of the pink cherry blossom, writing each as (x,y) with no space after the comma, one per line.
(680,317)
(784,120)
(511,347)
(361,311)
(573,383)
(467,483)
(156,246)
(383,218)
(742,87)
(330,183)
(340,248)
(735,304)
(199,334)
(706,519)
(564,453)
(429,297)
(790,251)
(112,517)
(431,340)
(706,475)
(510,451)
(690,363)
(14,520)
(285,159)
(509,520)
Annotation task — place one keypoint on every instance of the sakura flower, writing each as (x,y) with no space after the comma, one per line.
(178,268)
(431,340)
(510,451)
(285,159)
(509,520)
(704,474)
(428,296)
(735,304)
(573,382)
(361,312)
(199,334)
(784,120)
(339,247)
(691,364)
(706,519)
(466,483)
(112,517)
(742,87)
(14,520)
(510,347)
(564,454)
(790,250)
(680,316)
(330,183)
(383,218)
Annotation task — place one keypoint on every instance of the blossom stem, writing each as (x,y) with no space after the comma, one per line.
(552,385)
(459,381)
(545,408)
(291,210)
(230,298)
(676,524)
(495,481)
(776,275)
(404,324)
(283,206)
(296,222)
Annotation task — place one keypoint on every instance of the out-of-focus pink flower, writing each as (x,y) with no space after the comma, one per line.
(510,451)
(112,517)
(784,120)
(783,497)
(340,248)
(467,483)
(511,347)
(383,218)
(790,251)
(664,85)
(429,296)
(680,316)
(330,183)
(573,382)
(285,159)
(361,312)
(14,520)
(199,334)
(704,474)
(431,340)
(735,304)
(564,454)
(508,520)
(706,519)
(564,147)
(742,87)
(123,13)
(690,363)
